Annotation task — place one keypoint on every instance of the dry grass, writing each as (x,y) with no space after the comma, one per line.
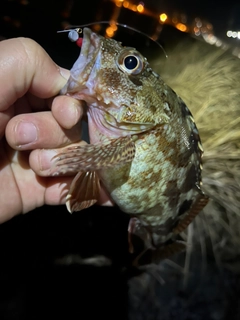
(207,79)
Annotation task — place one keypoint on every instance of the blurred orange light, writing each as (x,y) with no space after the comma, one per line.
(126,4)
(182,27)
(140,8)
(209,26)
(113,26)
(118,3)
(163,17)
(96,27)
(110,32)
(133,8)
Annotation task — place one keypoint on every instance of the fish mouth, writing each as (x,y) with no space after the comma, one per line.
(85,62)
(89,49)
(81,86)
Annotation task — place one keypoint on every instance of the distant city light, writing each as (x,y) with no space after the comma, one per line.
(198,27)
(126,4)
(199,24)
(197,31)
(118,3)
(233,34)
(218,43)
(163,17)
(210,38)
(140,8)
(110,32)
(182,27)
(133,7)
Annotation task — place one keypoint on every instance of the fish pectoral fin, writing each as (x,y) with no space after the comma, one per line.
(83,192)
(94,156)
(196,208)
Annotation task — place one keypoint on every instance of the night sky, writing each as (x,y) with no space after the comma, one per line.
(219,13)
(222,14)
(39,19)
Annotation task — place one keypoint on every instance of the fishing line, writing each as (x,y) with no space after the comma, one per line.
(74,32)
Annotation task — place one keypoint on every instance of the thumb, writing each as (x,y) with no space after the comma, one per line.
(26,66)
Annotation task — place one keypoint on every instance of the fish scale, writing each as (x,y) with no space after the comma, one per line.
(144,144)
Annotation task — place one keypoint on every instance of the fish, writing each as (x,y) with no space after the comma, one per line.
(144,149)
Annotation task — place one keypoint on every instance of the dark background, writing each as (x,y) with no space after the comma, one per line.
(41,19)
(33,284)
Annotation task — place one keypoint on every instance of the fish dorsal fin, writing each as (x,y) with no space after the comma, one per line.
(196,208)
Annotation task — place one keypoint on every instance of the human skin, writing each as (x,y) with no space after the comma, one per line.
(34,121)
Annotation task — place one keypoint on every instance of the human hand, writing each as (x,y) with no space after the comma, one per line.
(30,81)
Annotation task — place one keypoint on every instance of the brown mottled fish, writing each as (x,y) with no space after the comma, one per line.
(144,146)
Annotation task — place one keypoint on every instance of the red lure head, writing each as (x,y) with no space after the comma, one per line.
(79,42)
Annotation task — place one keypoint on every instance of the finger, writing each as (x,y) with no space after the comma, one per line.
(25,66)
(67,111)
(22,105)
(39,130)
(56,190)
(41,160)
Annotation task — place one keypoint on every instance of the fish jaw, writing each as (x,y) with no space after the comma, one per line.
(84,64)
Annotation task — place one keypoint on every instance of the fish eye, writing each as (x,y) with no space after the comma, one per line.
(130,62)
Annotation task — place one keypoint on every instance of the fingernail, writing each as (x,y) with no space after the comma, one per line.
(64,73)
(46,159)
(25,133)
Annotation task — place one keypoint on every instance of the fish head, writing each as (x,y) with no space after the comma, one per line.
(118,86)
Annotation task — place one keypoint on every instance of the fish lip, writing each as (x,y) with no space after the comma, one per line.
(89,50)
(90,42)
